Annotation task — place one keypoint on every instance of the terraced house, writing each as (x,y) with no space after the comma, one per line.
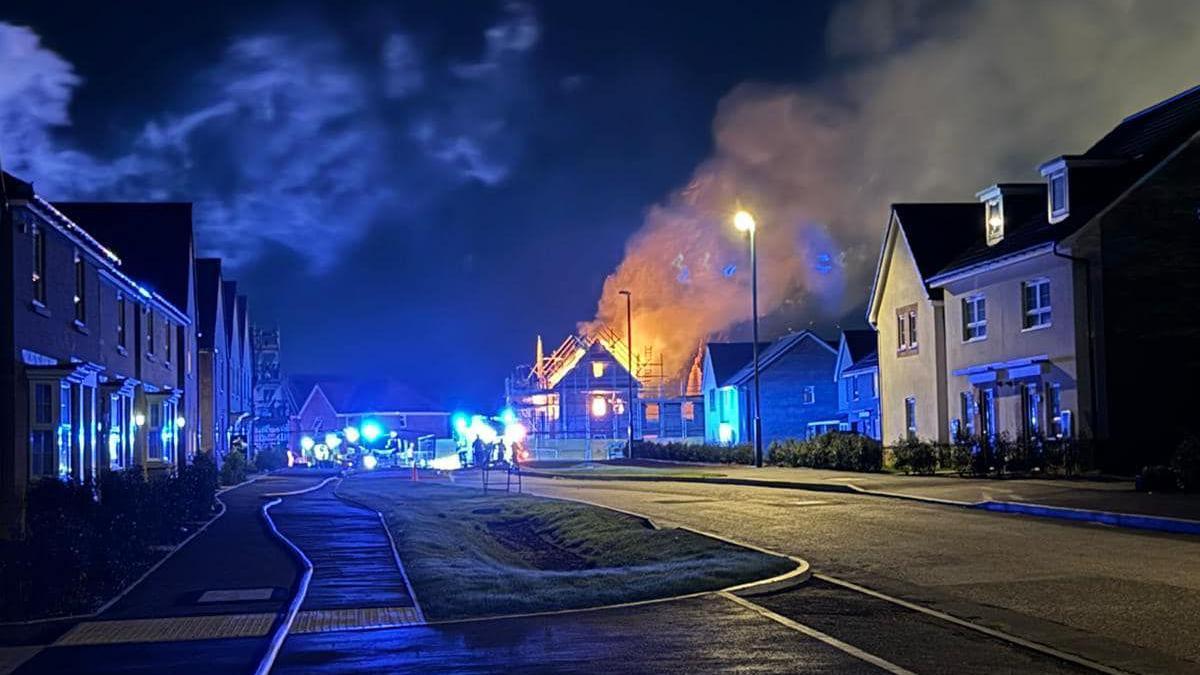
(95,359)
(1049,308)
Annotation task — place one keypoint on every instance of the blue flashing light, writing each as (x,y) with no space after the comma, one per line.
(371,430)
(459,422)
(508,416)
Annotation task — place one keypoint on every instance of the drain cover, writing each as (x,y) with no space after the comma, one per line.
(236,595)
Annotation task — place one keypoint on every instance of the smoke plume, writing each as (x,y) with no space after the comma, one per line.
(924,102)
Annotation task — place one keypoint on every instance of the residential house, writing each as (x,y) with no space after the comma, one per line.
(331,404)
(92,385)
(798,389)
(213,349)
(907,315)
(857,374)
(723,401)
(1059,312)
(155,242)
(242,415)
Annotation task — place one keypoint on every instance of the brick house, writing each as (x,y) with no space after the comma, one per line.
(93,378)
(723,400)
(213,350)
(857,375)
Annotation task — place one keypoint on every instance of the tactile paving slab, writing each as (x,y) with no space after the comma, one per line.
(173,629)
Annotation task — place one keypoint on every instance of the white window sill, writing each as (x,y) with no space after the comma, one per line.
(39,307)
(1031,329)
(81,327)
(982,338)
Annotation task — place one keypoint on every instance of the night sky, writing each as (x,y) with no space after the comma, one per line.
(418,189)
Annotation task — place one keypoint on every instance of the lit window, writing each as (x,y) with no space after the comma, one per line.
(689,411)
(651,412)
(1032,399)
(994,217)
(80,272)
(1035,301)
(599,406)
(39,265)
(854,392)
(809,394)
(598,369)
(910,418)
(974,318)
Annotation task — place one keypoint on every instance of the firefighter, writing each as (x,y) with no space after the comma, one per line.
(480,452)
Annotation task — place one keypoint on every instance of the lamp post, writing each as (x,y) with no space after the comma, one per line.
(744,222)
(629,356)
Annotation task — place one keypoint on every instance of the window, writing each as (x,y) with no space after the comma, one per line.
(169,330)
(80,272)
(41,431)
(651,412)
(906,329)
(712,401)
(1035,302)
(1031,399)
(39,265)
(809,395)
(121,320)
(1058,196)
(847,387)
(1054,410)
(64,430)
(689,411)
(875,384)
(994,217)
(967,412)
(155,434)
(910,418)
(149,331)
(597,369)
(987,413)
(974,318)
(855,394)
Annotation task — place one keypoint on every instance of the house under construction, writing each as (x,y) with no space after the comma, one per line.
(574,401)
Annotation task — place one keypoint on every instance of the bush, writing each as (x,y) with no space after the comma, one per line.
(233,469)
(270,459)
(1186,464)
(687,452)
(84,542)
(915,456)
(834,450)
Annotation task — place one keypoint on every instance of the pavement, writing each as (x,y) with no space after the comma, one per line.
(229,583)
(1107,496)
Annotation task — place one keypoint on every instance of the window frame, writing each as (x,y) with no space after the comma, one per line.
(1058,213)
(974,329)
(993,211)
(80,289)
(910,418)
(43,430)
(906,326)
(122,314)
(38,277)
(150,331)
(1032,317)
(808,395)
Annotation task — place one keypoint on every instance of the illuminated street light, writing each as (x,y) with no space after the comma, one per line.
(369,462)
(351,434)
(371,430)
(180,422)
(744,222)
(307,443)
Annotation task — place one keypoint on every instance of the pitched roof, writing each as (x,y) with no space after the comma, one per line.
(241,316)
(778,350)
(860,343)
(153,240)
(15,188)
(865,363)
(208,283)
(939,232)
(1154,131)
(357,396)
(229,304)
(729,357)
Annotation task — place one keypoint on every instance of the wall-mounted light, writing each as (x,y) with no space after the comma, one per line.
(180,422)
(599,406)
(139,419)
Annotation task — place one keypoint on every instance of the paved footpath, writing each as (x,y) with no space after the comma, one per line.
(219,596)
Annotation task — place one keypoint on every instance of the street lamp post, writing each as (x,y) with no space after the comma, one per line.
(744,222)
(629,357)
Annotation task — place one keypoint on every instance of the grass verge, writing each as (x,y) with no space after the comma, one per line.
(471,555)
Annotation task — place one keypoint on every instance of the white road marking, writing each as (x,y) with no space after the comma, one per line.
(818,635)
(992,632)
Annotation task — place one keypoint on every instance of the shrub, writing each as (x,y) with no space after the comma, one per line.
(270,459)
(914,456)
(1186,464)
(833,450)
(233,469)
(687,452)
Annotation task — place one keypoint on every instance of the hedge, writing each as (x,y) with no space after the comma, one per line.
(687,452)
(833,450)
(85,542)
